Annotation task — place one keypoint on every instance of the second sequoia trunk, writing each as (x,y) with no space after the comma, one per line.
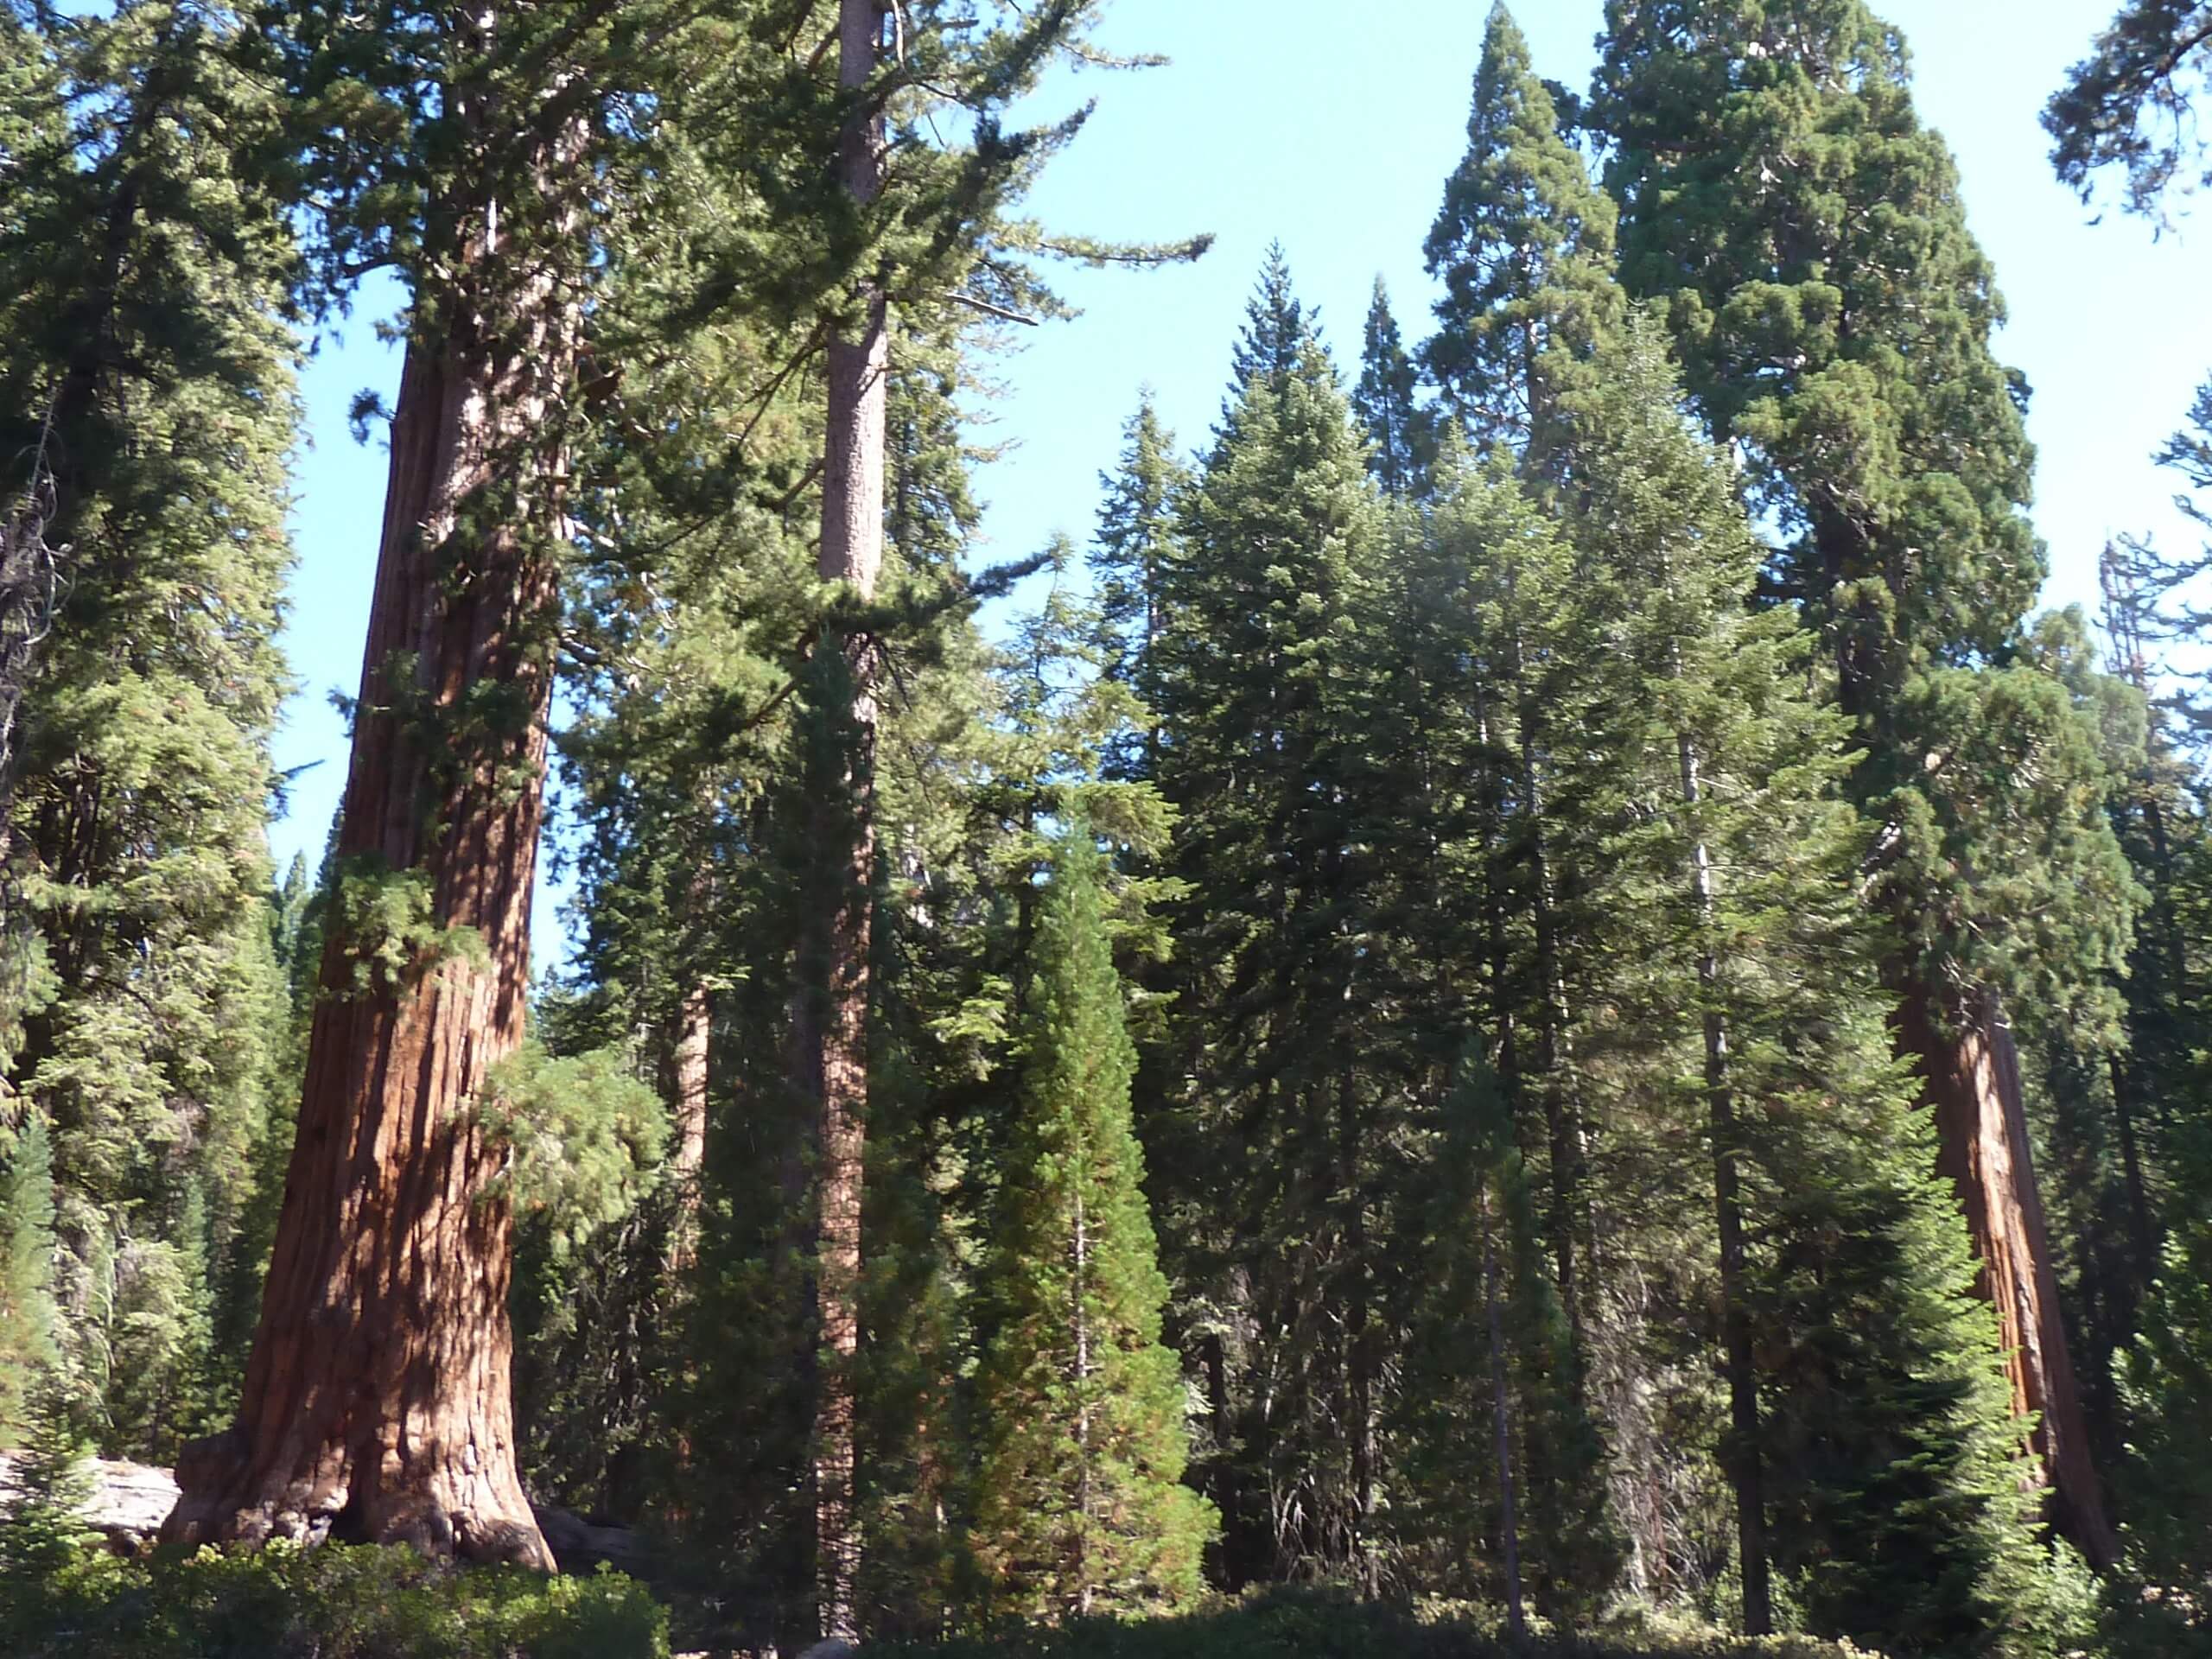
(1971,1073)
(377,1404)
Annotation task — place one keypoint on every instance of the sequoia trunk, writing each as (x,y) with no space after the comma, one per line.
(1971,1071)
(377,1404)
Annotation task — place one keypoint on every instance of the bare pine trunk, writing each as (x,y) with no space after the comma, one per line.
(687,1080)
(376,1405)
(835,1054)
(1971,1073)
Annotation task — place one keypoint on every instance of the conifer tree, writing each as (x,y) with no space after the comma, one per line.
(2166,1387)
(1388,406)
(1259,675)
(1131,550)
(31,129)
(146,377)
(2131,102)
(1080,1506)
(27,1346)
(423,159)
(1523,245)
(1276,331)
(1503,1475)
(943,229)
(42,1519)
(1759,981)
(1834,317)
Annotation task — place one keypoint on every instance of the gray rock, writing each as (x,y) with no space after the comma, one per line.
(128,1502)
(126,1505)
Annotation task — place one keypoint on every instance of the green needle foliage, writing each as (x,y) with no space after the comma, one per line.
(146,379)
(2131,103)
(1381,1001)
(1754,1003)
(1262,676)
(1079,1502)
(1398,427)
(28,1339)
(1523,245)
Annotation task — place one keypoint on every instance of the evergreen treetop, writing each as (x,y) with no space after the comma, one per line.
(1833,314)
(1387,403)
(1278,329)
(1523,245)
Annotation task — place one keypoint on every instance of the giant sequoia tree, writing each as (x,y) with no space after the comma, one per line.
(1835,316)
(1558,857)
(454,145)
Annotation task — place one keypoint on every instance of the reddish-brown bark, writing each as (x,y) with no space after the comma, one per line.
(1971,1072)
(377,1404)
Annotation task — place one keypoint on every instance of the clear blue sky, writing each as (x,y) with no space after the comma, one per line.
(1331,127)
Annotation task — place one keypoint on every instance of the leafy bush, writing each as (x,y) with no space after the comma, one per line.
(1318,1625)
(284,1602)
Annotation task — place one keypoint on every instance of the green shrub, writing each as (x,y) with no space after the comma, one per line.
(284,1602)
(1286,1625)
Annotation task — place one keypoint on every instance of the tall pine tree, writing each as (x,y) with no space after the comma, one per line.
(1388,405)
(1523,246)
(1256,679)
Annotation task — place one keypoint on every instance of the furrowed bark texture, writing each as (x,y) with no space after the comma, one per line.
(833,1045)
(377,1405)
(1971,1071)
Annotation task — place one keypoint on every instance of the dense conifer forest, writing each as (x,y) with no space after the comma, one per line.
(1531,1002)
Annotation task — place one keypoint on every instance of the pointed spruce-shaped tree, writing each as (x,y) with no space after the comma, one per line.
(1079,1502)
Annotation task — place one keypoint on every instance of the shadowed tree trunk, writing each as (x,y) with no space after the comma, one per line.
(1746,1473)
(832,1035)
(377,1404)
(1971,1072)
(1516,1624)
(687,1093)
